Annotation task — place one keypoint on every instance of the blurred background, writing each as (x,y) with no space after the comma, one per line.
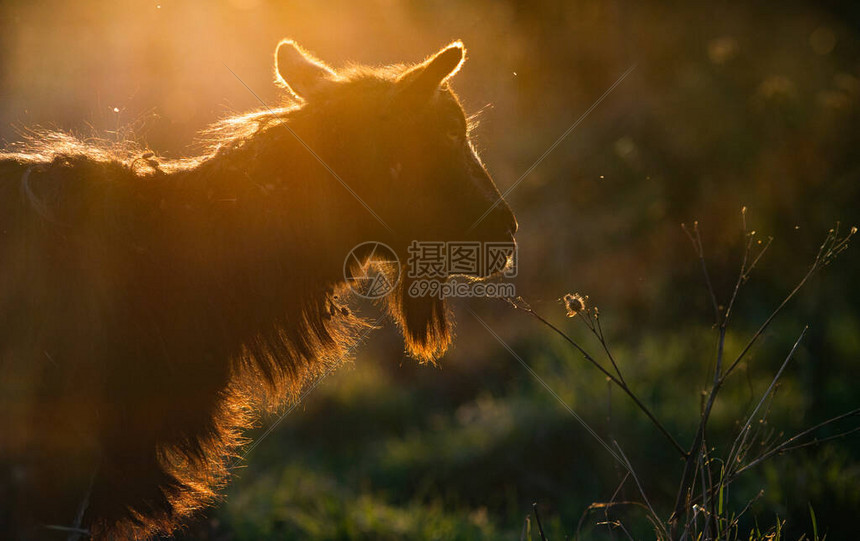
(729,105)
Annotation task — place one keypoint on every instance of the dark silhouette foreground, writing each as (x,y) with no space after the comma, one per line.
(148,307)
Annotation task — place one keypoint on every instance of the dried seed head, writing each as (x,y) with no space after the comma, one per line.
(574,303)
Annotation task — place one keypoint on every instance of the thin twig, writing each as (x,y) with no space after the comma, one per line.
(685,486)
(597,329)
(742,436)
(829,249)
(537,519)
(641,490)
(697,245)
(707,486)
(787,445)
(743,271)
(623,386)
(605,505)
(734,522)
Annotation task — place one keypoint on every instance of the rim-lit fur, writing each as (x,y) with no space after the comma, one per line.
(148,307)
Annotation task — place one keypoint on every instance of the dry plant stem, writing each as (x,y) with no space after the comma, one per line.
(785,447)
(614,495)
(722,323)
(623,386)
(690,507)
(596,329)
(537,519)
(744,433)
(706,487)
(791,443)
(656,519)
(623,529)
(831,247)
(605,506)
(815,267)
(736,520)
(744,273)
(607,522)
(696,240)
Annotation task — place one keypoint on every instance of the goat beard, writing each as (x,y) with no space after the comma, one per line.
(424,321)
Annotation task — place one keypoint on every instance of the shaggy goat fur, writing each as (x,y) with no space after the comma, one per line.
(148,307)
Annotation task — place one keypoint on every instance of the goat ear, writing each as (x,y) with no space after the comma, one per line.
(298,71)
(426,77)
